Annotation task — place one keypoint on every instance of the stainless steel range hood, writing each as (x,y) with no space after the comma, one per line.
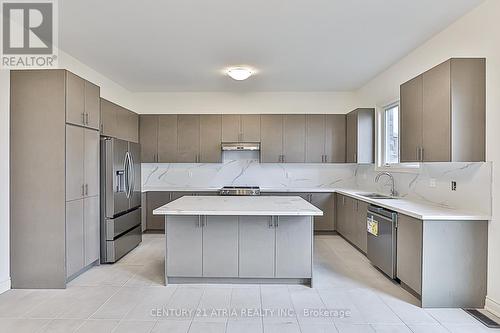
(240,146)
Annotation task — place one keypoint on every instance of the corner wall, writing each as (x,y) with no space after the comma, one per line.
(473,35)
(4,181)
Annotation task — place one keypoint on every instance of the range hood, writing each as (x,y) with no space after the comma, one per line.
(240,146)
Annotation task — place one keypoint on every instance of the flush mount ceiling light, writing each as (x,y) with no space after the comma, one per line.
(239,73)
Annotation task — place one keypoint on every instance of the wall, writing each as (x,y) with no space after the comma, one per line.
(4,181)
(473,35)
(256,102)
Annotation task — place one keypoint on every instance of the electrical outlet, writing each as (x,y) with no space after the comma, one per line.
(190,174)
(432,182)
(453,185)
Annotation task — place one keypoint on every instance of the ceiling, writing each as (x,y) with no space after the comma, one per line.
(296,45)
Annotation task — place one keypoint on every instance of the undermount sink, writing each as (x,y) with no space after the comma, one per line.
(375,196)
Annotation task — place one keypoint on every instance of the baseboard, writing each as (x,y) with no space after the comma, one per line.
(492,306)
(4,285)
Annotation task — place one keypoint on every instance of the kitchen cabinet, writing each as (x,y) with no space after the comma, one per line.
(153,201)
(256,247)
(82,102)
(325,202)
(188,138)
(220,246)
(409,250)
(210,138)
(351,220)
(91,162)
(91,229)
(294,138)
(74,237)
(241,128)
(361,239)
(148,138)
(118,122)
(325,138)
(184,250)
(360,133)
(443,113)
(293,246)
(271,150)
(167,139)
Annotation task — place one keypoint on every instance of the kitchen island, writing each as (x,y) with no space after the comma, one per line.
(225,239)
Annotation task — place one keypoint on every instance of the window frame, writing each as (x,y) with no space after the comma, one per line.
(380,141)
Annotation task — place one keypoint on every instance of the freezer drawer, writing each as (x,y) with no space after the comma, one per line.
(115,249)
(120,224)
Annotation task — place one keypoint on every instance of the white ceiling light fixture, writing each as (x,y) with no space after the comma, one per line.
(239,73)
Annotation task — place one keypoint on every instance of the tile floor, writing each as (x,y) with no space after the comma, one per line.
(130,297)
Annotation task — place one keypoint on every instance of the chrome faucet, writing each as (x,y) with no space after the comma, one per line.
(393,189)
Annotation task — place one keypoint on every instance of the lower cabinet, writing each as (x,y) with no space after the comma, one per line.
(293,250)
(239,246)
(409,250)
(220,246)
(325,202)
(184,246)
(82,234)
(351,220)
(256,246)
(153,201)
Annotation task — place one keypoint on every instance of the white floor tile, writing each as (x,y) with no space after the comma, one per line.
(206,327)
(172,326)
(244,327)
(62,326)
(134,327)
(98,326)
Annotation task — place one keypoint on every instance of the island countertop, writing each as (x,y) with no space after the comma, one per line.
(243,205)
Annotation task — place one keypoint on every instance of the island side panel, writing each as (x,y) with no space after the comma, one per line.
(293,247)
(454,263)
(184,246)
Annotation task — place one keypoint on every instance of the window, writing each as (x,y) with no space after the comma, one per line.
(391,134)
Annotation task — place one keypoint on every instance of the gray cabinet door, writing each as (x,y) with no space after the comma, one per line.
(91,162)
(350,217)
(340,213)
(167,138)
(436,119)
(132,119)
(271,138)
(75,99)
(256,247)
(410,110)
(108,118)
(153,201)
(325,202)
(315,138)
(250,128)
(294,247)
(75,155)
(362,237)
(294,138)
(220,246)
(335,138)
(184,246)
(74,237)
(409,250)
(91,229)
(148,138)
(210,138)
(92,105)
(352,137)
(231,129)
(188,138)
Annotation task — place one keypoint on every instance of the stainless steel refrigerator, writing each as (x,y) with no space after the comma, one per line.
(120,198)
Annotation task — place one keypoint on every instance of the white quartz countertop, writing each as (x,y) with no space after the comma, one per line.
(228,205)
(418,210)
(262,189)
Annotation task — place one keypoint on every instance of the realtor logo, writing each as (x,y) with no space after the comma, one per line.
(28,33)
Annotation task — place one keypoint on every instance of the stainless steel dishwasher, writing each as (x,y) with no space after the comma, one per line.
(381,229)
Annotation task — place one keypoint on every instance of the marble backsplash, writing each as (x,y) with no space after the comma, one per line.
(432,183)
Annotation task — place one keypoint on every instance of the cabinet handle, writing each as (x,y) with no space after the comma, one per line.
(86,118)
(421,154)
(86,189)
(270,224)
(83,118)
(277,223)
(199,222)
(83,189)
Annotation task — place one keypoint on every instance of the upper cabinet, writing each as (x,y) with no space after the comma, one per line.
(325,138)
(443,113)
(271,131)
(360,136)
(82,102)
(118,122)
(241,128)
(283,138)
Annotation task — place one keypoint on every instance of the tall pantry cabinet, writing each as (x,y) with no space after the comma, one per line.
(54,177)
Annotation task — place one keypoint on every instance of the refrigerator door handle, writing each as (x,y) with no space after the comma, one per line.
(132,173)
(127,175)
